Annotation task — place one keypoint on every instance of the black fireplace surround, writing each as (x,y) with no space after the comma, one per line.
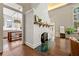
(44,37)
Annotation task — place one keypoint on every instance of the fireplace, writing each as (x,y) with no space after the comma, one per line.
(44,37)
(44,43)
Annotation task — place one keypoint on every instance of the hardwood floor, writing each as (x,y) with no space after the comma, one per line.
(60,48)
(9,45)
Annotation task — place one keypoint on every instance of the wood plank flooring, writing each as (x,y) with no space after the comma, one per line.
(60,48)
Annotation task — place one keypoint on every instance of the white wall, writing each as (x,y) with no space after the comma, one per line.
(1,28)
(33,31)
(62,16)
(41,10)
(29,28)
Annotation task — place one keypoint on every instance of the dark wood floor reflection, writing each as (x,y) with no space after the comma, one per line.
(60,48)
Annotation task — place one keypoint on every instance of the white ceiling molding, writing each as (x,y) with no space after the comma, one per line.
(14,5)
(52,6)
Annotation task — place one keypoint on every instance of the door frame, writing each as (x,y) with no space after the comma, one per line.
(22,20)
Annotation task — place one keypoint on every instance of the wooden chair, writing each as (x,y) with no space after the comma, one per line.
(74,47)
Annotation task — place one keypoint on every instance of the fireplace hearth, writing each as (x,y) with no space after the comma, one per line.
(45,43)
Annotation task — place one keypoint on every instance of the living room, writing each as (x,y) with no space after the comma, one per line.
(48,29)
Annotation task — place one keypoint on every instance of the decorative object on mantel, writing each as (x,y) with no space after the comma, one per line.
(36,18)
(40,22)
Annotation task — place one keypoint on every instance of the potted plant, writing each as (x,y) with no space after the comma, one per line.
(70,30)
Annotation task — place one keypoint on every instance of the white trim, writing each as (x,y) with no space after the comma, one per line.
(57,6)
(28,11)
(32,46)
(29,44)
(36,45)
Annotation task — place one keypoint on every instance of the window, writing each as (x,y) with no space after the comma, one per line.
(12,19)
(76,17)
(9,24)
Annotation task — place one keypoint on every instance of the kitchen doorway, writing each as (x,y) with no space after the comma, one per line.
(12,27)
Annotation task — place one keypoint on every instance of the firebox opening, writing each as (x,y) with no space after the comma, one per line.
(44,37)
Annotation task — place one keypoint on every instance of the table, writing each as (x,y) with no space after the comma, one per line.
(14,35)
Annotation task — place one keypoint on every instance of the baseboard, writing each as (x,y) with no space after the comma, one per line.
(30,45)
(36,45)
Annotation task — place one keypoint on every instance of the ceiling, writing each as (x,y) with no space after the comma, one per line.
(55,5)
(27,6)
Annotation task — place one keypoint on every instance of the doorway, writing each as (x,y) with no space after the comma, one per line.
(12,28)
